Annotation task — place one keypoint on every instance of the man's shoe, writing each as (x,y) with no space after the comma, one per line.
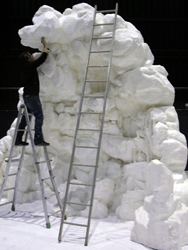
(42,143)
(21,143)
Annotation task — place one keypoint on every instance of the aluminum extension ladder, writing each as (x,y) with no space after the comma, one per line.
(23,111)
(80,113)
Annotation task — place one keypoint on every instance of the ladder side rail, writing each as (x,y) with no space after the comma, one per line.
(101,130)
(19,171)
(10,154)
(107,84)
(76,130)
(52,179)
(37,168)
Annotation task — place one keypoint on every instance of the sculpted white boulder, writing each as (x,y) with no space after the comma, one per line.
(143,154)
(160,222)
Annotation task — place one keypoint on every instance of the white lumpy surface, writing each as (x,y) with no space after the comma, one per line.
(143,154)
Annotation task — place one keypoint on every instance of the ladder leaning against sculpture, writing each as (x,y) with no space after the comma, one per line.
(23,111)
(78,128)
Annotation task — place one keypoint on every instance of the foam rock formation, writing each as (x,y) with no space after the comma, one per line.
(143,154)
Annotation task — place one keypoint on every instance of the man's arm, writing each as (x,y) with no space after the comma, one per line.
(36,63)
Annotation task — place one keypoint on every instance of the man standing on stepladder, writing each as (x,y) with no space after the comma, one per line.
(31,95)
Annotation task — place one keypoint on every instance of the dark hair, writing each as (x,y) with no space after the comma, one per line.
(24,56)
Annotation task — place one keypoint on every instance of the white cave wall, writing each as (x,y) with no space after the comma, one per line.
(143,153)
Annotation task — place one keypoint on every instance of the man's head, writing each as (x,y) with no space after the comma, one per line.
(26,57)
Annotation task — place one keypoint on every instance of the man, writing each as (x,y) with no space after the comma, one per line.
(31,95)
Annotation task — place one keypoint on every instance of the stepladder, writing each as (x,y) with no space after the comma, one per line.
(90,71)
(8,174)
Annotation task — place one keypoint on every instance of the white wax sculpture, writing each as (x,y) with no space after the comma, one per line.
(143,154)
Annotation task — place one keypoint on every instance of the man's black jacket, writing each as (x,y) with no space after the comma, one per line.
(30,75)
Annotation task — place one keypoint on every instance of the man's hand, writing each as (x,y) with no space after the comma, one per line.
(44,43)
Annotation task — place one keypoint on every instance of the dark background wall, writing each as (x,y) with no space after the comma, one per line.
(163,24)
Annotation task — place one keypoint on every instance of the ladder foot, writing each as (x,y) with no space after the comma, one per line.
(13,208)
(48,225)
(59,241)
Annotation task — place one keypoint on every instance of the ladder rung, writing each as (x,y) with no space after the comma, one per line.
(75,203)
(88,129)
(39,162)
(80,184)
(97,66)
(86,147)
(74,224)
(105,11)
(51,177)
(81,165)
(5,203)
(7,189)
(10,174)
(95,81)
(91,113)
(106,37)
(94,96)
(101,51)
(101,24)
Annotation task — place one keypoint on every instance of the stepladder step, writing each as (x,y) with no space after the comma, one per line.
(86,147)
(84,165)
(13,160)
(74,224)
(50,196)
(76,203)
(5,203)
(40,162)
(48,178)
(81,184)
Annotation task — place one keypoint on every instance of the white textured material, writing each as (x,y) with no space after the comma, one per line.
(161,222)
(143,154)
